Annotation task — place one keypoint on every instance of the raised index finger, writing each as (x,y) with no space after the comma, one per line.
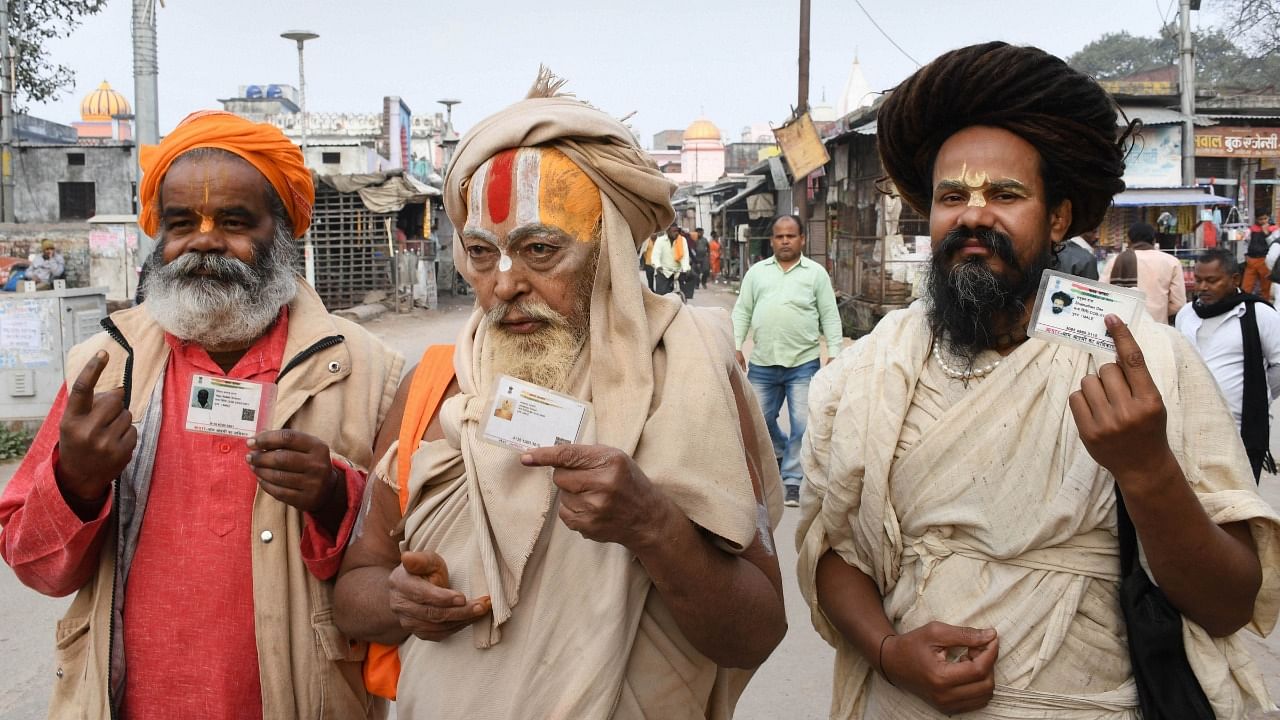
(80,396)
(1129,358)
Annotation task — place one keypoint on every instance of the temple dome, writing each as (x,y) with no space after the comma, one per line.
(101,104)
(702,129)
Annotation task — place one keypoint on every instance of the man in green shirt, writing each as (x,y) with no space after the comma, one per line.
(786,303)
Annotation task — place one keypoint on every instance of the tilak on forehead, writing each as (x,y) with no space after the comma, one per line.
(978,183)
(532,185)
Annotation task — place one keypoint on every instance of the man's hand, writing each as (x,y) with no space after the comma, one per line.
(951,668)
(742,360)
(1119,411)
(603,494)
(424,603)
(295,468)
(96,437)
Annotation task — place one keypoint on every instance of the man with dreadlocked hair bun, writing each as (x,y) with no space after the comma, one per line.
(958,535)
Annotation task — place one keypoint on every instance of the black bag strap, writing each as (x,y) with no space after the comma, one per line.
(1128,536)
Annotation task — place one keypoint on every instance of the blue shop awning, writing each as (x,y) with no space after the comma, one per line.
(1164,197)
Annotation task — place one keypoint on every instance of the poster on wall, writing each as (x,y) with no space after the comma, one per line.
(1156,158)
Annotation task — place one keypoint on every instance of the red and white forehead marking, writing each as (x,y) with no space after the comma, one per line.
(526,186)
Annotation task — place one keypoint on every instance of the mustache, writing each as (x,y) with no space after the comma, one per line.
(532,309)
(213,266)
(997,242)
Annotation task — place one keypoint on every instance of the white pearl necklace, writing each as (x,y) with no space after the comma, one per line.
(978,372)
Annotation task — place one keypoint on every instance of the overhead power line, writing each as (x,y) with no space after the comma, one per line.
(885,34)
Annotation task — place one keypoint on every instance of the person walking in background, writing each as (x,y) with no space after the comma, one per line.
(688,281)
(1156,273)
(670,260)
(646,259)
(714,250)
(1238,336)
(786,303)
(1256,274)
(1076,256)
(702,256)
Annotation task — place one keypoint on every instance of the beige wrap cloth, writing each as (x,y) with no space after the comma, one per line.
(980,507)
(577,630)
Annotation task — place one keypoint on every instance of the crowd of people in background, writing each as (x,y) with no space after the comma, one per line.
(684,261)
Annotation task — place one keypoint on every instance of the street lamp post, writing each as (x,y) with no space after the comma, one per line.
(449,138)
(301,36)
(308,251)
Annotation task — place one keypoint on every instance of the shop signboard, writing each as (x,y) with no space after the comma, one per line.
(1228,142)
(802,148)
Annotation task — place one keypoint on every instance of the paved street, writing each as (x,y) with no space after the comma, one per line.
(794,683)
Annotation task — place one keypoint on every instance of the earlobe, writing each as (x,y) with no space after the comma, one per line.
(1060,221)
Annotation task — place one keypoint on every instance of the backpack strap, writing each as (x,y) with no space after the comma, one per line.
(426,391)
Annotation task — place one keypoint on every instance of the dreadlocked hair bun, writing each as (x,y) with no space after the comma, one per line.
(1063,113)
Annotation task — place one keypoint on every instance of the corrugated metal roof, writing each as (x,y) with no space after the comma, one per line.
(1216,116)
(1159,116)
(1164,197)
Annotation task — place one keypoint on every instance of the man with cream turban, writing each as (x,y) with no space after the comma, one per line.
(202,558)
(958,540)
(629,575)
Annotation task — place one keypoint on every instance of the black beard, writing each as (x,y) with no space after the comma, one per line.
(968,302)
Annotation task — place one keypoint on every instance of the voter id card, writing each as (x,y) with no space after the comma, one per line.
(224,406)
(523,416)
(1073,310)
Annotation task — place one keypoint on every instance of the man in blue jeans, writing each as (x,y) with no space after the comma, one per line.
(786,303)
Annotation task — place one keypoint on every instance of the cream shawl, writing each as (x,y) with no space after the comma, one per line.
(576,629)
(998,517)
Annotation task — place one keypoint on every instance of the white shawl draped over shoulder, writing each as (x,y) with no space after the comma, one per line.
(995,515)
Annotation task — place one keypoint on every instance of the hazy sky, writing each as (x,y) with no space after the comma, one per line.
(668,60)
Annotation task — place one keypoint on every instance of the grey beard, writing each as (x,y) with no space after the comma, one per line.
(544,358)
(232,305)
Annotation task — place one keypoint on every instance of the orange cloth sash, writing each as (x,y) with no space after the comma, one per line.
(426,391)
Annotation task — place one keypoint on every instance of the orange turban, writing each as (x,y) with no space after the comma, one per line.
(261,145)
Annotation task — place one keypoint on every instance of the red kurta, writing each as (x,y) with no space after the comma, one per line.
(188,613)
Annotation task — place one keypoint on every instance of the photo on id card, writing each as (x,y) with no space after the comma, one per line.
(1073,310)
(226,406)
(523,416)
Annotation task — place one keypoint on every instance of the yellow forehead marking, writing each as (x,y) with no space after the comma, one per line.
(566,196)
(206,223)
(976,182)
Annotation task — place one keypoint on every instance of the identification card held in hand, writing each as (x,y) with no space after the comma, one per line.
(223,406)
(1073,310)
(523,416)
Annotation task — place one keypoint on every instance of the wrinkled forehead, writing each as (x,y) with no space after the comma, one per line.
(532,185)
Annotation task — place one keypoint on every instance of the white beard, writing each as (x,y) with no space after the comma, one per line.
(228,309)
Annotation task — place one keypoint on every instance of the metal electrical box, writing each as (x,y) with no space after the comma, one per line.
(37,329)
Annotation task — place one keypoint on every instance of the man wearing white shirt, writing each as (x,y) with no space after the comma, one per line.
(670,260)
(1238,336)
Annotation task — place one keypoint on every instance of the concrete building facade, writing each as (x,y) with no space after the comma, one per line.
(58,183)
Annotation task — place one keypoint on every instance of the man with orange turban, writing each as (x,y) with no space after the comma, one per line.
(627,574)
(199,473)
